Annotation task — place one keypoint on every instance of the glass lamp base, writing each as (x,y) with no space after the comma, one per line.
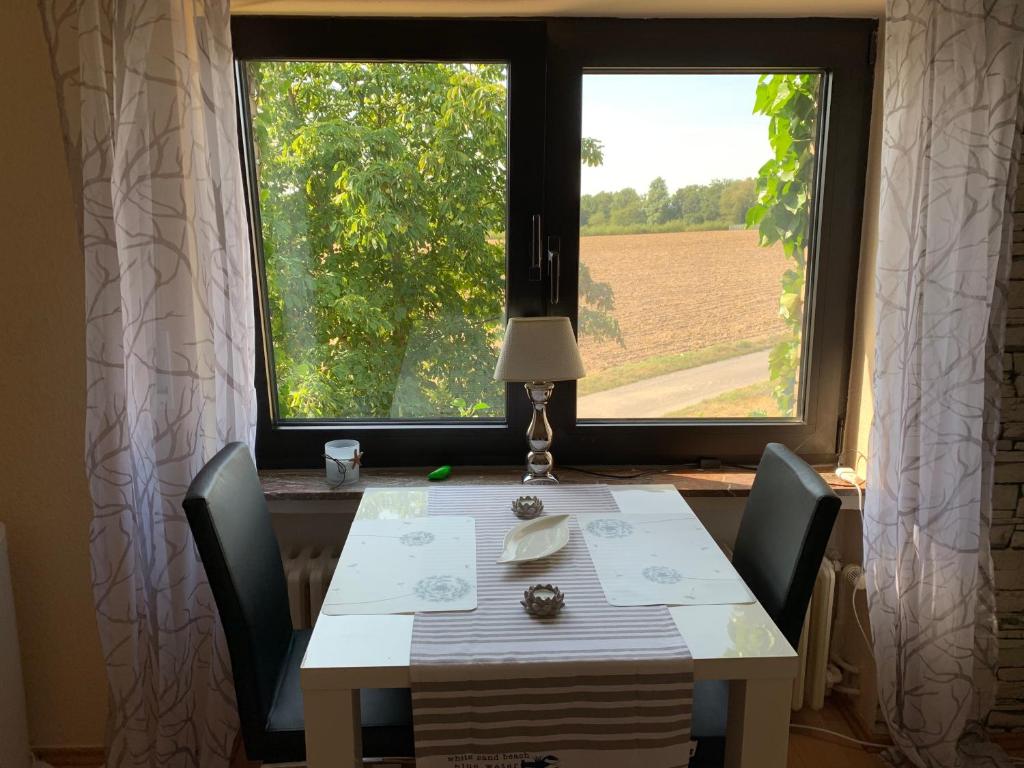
(539,462)
(545,478)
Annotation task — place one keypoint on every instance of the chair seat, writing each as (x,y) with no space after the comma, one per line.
(710,753)
(386,715)
(387,722)
(710,708)
(708,722)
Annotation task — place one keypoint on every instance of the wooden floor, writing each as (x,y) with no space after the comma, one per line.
(807,749)
(811,749)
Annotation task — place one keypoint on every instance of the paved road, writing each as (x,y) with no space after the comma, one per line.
(654,397)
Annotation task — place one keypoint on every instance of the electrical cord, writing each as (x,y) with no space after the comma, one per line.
(840,736)
(856,616)
(849,476)
(856,464)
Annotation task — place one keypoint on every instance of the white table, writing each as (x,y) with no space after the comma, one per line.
(738,643)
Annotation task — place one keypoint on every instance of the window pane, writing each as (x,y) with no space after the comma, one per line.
(694,217)
(382,193)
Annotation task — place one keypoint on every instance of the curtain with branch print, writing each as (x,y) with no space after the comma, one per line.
(951,133)
(147,101)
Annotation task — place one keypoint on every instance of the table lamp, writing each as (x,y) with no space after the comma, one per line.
(539,351)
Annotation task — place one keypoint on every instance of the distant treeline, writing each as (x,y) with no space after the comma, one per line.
(720,204)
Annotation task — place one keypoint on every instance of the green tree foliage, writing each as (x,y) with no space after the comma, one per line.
(382,199)
(591,152)
(596,299)
(595,209)
(689,202)
(736,198)
(719,204)
(657,204)
(381,187)
(596,305)
(627,207)
(782,213)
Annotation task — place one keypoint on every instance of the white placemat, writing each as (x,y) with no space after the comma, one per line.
(594,687)
(405,566)
(651,558)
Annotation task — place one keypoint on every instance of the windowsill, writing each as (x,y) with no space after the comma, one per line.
(310,484)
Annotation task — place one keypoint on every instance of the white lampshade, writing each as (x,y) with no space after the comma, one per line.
(539,349)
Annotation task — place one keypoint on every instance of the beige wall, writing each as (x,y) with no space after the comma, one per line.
(44,499)
(859,410)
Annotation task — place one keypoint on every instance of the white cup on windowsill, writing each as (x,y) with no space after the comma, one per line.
(341,459)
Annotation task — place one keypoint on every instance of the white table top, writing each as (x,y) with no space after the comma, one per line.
(726,641)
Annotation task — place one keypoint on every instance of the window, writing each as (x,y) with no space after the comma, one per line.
(673,187)
(382,204)
(695,212)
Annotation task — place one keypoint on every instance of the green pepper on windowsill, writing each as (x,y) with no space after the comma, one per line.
(441,473)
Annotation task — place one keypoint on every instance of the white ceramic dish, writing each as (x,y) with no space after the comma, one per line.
(535,539)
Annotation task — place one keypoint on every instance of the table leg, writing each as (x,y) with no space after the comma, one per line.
(758,729)
(333,729)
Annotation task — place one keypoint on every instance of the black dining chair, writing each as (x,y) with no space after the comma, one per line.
(779,548)
(230,522)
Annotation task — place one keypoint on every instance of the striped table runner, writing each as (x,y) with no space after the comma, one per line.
(595,687)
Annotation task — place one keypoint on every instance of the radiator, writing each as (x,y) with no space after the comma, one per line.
(815,677)
(308,571)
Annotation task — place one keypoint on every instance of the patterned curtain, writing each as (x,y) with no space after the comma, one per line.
(951,133)
(146,95)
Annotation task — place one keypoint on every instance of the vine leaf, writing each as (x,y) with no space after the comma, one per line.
(782,213)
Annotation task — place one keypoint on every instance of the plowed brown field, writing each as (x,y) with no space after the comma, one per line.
(682,291)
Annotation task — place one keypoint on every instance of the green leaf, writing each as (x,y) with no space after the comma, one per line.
(784,205)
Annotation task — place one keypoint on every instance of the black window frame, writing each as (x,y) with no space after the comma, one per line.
(842,50)
(546,60)
(397,442)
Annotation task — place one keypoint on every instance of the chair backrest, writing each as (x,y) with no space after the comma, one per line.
(782,538)
(230,522)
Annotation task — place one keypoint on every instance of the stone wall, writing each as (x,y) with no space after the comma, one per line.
(1008,501)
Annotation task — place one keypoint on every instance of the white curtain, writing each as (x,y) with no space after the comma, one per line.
(146,95)
(951,133)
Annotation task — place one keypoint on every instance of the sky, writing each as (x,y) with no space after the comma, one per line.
(689,129)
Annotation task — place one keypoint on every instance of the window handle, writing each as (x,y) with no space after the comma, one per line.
(536,265)
(555,267)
